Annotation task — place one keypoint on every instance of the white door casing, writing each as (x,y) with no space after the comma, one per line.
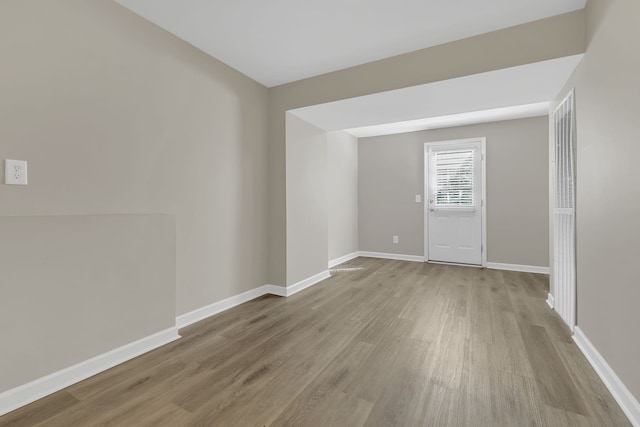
(454,208)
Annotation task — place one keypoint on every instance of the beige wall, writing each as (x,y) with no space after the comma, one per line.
(391,173)
(307,208)
(608,195)
(342,179)
(536,41)
(74,287)
(117,116)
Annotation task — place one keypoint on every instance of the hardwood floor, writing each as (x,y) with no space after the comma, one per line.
(380,343)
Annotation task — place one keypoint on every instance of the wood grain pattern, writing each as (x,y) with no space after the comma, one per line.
(380,343)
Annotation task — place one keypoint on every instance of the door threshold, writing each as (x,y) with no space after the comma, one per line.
(455,263)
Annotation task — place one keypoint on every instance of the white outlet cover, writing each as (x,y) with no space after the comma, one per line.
(15,172)
(418,198)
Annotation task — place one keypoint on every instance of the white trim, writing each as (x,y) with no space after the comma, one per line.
(550,301)
(620,392)
(518,267)
(345,258)
(218,307)
(276,290)
(483,161)
(304,284)
(22,395)
(399,257)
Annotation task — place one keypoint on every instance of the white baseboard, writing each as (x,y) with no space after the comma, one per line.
(280,291)
(15,398)
(399,257)
(620,392)
(344,258)
(517,267)
(551,301)
(220,306)
(304,284)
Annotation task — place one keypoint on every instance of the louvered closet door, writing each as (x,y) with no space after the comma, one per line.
(455,203)
(564,225)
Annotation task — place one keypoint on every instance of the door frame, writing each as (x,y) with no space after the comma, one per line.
(483,221)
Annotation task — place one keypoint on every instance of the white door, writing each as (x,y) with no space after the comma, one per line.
(454,205)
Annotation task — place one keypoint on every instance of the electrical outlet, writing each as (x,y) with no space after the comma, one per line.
(418,198)
(395,239)
(15,172)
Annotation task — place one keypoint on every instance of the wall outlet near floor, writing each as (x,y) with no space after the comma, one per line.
(395,239)
(15,172)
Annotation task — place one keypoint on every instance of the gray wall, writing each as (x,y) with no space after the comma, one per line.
(608,195)
(536,41)
(342,176)
(307,212)
(117,116)
(391,173)
(74,287)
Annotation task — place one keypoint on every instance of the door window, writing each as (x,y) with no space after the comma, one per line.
(454,178)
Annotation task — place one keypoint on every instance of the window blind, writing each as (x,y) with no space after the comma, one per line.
(454,178)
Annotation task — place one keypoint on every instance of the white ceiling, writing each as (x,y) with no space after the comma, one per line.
(517,92)
(280,41)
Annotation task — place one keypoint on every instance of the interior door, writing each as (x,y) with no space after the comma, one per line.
(454,201)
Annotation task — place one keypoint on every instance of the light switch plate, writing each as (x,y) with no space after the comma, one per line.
(15,172)
(418,198)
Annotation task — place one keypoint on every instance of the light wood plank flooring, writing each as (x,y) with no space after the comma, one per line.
(380,343)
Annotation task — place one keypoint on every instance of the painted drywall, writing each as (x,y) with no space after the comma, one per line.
(307,208)
(342,196)
(608,197)
(391,174)
(536,41)
(74,287)
(117,116)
